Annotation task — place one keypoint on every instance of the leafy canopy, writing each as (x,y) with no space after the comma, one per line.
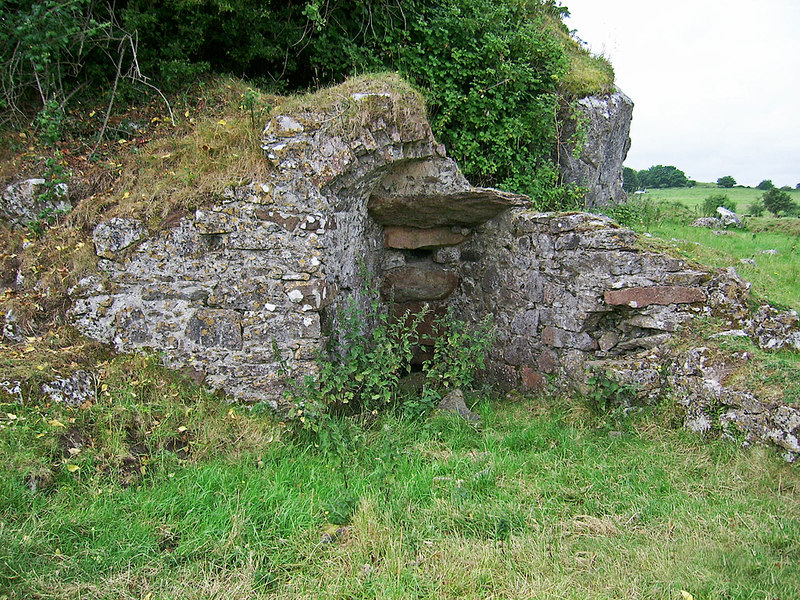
(726,182)
(660,176)
(778,202)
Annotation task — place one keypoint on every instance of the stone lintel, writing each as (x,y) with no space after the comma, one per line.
(467,208)
(639,297)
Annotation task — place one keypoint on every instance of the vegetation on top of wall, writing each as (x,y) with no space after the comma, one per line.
(491,71)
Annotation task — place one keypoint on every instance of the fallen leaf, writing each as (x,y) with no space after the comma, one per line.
(55,423)
(73,468)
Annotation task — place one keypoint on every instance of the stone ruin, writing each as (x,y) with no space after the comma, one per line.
(244,290)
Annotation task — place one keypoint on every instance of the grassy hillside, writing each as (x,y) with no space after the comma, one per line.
(764,251)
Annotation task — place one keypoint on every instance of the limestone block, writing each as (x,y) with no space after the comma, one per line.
(467,208)
(25,201)
(411,284)
(454,402)
(316,293)
(116,234)
(72,391)
(211,327)
(606,122)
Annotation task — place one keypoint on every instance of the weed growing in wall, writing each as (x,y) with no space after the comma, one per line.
(359,375)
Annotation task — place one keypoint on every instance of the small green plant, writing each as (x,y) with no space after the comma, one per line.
(55,179)
(459,350)
(609,399)
(50,122)
(251,103)
(635,213)
(756,208)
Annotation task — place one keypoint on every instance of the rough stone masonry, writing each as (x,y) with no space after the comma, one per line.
(245,289)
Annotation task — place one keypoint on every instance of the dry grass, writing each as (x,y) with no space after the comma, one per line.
(209,151)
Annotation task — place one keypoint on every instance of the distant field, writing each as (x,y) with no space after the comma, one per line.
(693,197)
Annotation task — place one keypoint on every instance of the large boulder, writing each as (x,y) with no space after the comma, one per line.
(599,140)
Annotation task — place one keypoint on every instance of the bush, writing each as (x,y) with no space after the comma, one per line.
(711,203)
(765,185)
(636,213)
(630,180)
(360,372)
(660,176)
(726,182)
(756,208)
(778,202)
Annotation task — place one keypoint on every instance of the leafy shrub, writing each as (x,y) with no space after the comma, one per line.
(711,203)
(765,185)
(756,208)
(459,351)
(726,182)
(360,372)
(778,202)
(660,176)
(630,180)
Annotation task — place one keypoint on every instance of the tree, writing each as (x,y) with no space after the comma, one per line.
(630,180)
(778,201)
(765,185)
(726,182)
(660,176)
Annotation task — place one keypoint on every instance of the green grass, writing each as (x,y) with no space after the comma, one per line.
(693,197)
(667,215)
(538,503)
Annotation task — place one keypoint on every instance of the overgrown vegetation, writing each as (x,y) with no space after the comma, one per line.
(360,372)
(715,201)
(492,72)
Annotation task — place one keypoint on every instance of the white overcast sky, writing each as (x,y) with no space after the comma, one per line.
(715,83)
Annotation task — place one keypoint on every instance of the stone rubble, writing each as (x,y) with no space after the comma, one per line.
(72,391)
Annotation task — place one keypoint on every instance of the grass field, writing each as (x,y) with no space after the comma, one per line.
(693,197)
(163,491)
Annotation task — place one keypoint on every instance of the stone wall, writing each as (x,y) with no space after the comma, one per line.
(245,289)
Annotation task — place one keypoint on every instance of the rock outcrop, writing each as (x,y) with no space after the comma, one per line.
(599,135)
